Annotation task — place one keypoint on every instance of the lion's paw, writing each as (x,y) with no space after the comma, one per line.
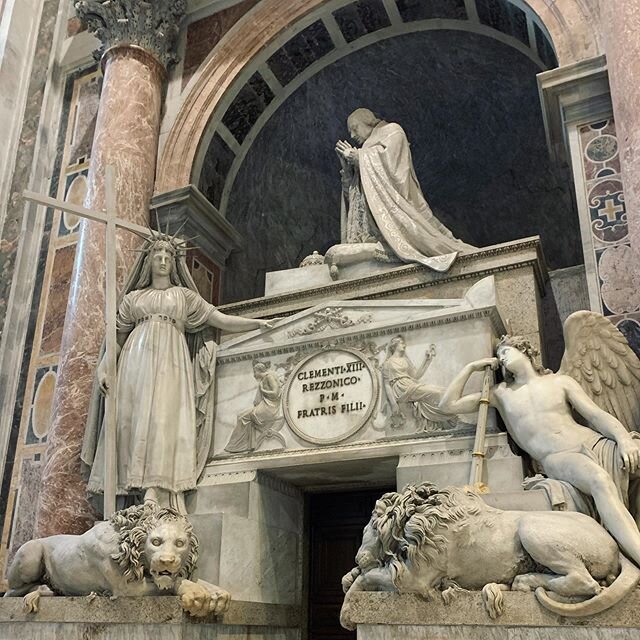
(525,582)
(450,589)
(493,600)
(220,600)
(196,600)
(449,594)
(31,602)
(349,578)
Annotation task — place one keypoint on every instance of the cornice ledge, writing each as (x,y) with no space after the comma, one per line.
(357,285)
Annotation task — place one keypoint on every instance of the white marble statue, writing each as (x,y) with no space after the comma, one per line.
(425,540)
(165,375)
(141,551)
(388,218)
(599,377)
(404,389)
(261,421)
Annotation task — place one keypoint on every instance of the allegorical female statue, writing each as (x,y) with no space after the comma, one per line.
(165,375)
(402,386)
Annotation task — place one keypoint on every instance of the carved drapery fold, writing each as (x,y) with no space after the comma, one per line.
(153,26)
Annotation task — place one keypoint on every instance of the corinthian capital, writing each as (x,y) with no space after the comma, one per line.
(152,24)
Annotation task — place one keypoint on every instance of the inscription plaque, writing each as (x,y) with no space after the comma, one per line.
(330,395)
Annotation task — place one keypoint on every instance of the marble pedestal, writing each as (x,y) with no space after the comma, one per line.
(160,618)
(248,511)
(249,508)
(386,616)
(250,528)
(250,522)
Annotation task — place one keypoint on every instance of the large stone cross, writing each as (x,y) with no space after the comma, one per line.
(112,222)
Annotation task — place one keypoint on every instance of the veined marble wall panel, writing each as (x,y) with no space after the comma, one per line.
(248,543)
(57,299)
(11,224)
(32,412)
(617,277)
(19,31)
(83,123)
(250,528)
(26,501)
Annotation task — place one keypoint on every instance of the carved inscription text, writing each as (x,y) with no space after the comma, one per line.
(330,396)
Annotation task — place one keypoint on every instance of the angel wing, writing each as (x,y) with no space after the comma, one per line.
(599,358)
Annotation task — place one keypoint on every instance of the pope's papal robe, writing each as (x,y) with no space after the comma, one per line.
(396,203)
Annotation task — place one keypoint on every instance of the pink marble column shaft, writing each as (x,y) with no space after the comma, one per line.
(126,138)
(621,27)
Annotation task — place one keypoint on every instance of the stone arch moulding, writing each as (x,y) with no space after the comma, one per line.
(570,24)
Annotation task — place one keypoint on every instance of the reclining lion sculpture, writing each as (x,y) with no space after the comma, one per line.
(139,551)
(425,539)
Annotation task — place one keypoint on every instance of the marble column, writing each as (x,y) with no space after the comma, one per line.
(621,26)
(126,137)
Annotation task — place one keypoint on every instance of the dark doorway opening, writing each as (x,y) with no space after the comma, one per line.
(336,521)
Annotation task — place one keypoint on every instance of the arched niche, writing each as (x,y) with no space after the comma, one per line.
(568,23)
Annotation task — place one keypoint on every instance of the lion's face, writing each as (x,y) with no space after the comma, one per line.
(166,552)
(413,529)
(370,552)
(155,542)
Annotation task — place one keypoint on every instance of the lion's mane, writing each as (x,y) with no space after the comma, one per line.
(134,524)
(411,525)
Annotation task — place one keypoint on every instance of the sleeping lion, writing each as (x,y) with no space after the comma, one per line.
(426,540)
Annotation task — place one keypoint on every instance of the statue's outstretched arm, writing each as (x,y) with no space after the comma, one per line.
(428,359)
(235,323)
(452,399)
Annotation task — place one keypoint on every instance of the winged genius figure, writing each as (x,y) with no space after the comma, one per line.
(599,384)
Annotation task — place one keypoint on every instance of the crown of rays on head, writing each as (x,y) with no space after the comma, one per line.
(176,245)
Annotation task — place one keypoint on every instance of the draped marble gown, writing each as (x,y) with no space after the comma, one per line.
(156,432)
